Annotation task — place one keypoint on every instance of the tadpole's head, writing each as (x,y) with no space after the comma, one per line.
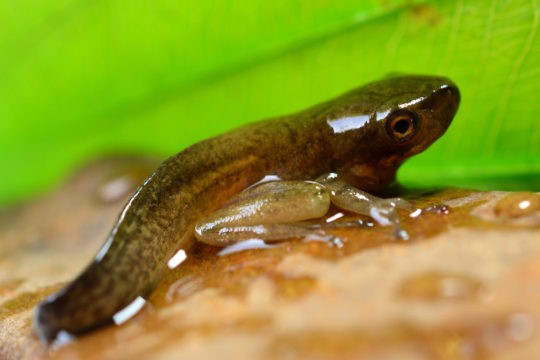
(378,126)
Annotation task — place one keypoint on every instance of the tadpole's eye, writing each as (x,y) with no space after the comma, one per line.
(401,125)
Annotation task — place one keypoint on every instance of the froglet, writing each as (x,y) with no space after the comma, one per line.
(350,144)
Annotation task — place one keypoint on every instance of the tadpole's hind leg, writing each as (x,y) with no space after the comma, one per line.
(349,198)
(228,235)
(270,212)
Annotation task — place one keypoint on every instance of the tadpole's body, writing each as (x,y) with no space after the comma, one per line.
(362,135)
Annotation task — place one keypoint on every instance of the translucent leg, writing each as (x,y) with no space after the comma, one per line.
(228,235)
(267,212)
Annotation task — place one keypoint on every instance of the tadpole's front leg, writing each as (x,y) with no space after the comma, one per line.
(348,197)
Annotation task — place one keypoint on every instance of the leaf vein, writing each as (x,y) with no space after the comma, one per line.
(511,81)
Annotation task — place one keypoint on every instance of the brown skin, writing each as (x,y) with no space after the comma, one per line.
(158,220)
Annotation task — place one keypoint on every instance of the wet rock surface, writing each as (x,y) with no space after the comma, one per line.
(466,286)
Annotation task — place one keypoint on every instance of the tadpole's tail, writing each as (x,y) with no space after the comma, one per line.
(148,232)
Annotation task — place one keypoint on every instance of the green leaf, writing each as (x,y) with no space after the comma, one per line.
(85,78)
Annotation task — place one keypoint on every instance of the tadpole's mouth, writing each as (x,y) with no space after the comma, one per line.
(439,110)
(447,99)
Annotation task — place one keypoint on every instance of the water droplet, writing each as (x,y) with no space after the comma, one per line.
(334,217)
(115,189)
(177,259)
(245,245)
(337,242)
(184,287)
(415,213)
(438,209)
(516,205)
(129,311)
(436,285)
(62,338)
(520,327)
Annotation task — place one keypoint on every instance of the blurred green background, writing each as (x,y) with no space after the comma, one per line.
(85,78)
